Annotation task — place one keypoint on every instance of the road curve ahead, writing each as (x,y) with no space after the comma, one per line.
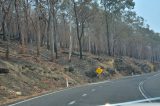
(114,91)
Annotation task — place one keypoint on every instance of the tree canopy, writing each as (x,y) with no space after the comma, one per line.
(101,27)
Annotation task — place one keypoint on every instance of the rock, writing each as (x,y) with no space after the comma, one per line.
(3,88)
(56,78)
(71,83)
(53,69)
(18,93)
(4,71)
(11,92)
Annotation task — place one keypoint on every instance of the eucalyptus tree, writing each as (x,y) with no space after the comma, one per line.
(114,7)
(6,12)
(82,12)
(66,11)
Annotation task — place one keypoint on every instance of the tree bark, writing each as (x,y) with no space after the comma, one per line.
(51,29)
(70,44)
(77,28)
(18,23)
(70,38)
(55,36)
(107,32)
(26,10)
(38,28)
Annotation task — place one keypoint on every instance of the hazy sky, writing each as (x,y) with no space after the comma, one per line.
(150,11)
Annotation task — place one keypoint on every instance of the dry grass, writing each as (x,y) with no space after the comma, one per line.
(33,75)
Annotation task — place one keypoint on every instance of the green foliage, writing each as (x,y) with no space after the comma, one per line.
(43,86)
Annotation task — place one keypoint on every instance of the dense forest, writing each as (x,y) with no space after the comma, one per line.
(100,27)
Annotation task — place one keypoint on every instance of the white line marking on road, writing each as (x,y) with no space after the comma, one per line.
(57,92)
(142,90)
(156,75)
(131,76)
(61,91)
(72,102)
(136,75)
(93,90)
(132,102)
(84,95)
(98,83)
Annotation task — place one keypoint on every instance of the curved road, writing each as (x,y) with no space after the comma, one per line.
(97,94)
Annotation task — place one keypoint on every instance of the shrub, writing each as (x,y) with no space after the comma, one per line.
(91,74)
(69,69)
(111,71)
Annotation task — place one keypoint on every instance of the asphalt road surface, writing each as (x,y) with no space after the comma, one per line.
(128,89)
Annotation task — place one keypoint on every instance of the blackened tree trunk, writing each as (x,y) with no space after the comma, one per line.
(55,36)
(38,28)
(107,32)
(18,23)
(77,28)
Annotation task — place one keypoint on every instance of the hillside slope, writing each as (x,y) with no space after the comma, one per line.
(30,75)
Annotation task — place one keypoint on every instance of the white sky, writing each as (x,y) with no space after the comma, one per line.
(150,11)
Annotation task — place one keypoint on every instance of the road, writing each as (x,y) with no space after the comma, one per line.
(98,94)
